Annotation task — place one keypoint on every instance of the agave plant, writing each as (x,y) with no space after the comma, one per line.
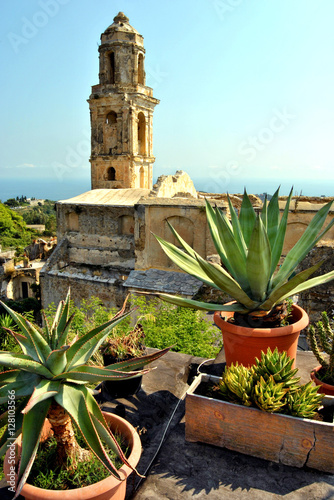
(250,248)
(50,379)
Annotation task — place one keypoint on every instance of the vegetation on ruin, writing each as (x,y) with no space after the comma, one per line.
(164,325)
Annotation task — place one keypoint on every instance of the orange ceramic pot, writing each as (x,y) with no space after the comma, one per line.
(107,489)
(323,387)
(243,344)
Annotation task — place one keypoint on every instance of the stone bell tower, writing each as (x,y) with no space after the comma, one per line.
(121,109)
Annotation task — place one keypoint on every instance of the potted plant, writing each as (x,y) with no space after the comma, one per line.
(321,340)
(250,247)
(50,380)
(122,347)
(263,411)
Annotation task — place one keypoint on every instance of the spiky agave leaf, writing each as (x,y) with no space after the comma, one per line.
(48,372)
(250,248)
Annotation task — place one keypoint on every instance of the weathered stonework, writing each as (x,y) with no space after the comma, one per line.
(121,108)
(179,185)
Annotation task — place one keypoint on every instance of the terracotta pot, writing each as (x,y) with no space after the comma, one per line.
(243,344)
(107,489)
(323,387)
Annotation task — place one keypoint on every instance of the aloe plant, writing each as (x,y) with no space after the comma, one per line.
(250,248)
(50,379)
(270,384)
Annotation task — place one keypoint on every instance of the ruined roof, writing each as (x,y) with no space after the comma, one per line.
(114,197)
(156,280)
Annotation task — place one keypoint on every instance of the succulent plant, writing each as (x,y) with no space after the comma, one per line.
(276,365)
(250,248)
(321,340)
(271,385)
(125,346)
(304,402)
(50,379)
(239,382)
(269,395)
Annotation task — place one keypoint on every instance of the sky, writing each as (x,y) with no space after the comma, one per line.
(245,86)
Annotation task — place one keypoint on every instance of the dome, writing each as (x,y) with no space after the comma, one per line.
(121,23)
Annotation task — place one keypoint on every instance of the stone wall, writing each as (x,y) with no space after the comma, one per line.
(319,298)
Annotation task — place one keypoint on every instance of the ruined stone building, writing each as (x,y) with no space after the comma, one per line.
(106,244)
(105,240)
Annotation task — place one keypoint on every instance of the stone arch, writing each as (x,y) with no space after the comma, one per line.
(126,224)
(183,225)
(141,69)
(111,174)
(110,132)
(141,134)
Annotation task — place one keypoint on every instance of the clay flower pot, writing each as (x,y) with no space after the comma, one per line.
(323,387)
(243,344)
(107,489)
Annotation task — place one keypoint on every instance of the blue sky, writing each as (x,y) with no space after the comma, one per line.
(246,86)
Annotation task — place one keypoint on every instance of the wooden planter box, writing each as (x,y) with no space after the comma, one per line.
(279,438)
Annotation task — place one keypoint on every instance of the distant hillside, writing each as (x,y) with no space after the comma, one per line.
(13,230)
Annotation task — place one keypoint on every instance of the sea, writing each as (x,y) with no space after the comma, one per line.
(54,189)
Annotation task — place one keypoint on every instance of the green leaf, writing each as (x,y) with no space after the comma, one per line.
(273,219)
(182,242)
(184,261)
(318,280)
(277,246)
(237,229)
(39,349)
(57,360)
(23,362)
(204,306)
(45,389)
(7,439)
(102,427)
(136,363)
(31,433)
(226,283)
(234,255)
(304,244)
(259,261)
(264,213)
(95,375)
(247,218)
(9,376)
(23,386)
(284,290)
(73,400)
(84,348)
(212,223)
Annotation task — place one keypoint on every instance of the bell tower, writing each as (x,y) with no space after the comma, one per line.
(121,112)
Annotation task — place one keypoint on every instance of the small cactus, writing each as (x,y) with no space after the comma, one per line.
(239,381)
(269,395)
(304,402)
(321,340)
(277,365)
(271,385)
